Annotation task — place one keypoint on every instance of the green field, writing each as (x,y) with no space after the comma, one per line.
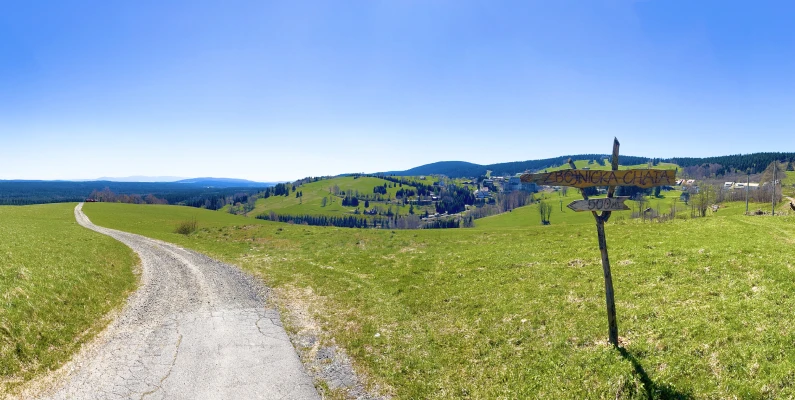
(703,304)
(57,282)
(313,194)
(788,183)
(528,215)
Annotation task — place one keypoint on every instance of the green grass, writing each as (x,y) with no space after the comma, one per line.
(703,304)
(57,282)
(313,194)
(528,216)
(788,183)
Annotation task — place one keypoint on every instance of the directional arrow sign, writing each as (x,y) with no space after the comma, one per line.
(603,204)
(579,178)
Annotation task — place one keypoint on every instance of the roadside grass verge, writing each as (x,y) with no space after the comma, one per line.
(704,305)
(57,282)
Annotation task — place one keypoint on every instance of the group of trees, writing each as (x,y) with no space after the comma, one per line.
(350,201)
(319,220)
(454,199)
(404,193)
(280,189)
(108,196)
(350,221)
(509,201)
(443,224)
(239,202)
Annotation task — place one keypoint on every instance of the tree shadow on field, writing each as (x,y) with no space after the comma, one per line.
(653,390)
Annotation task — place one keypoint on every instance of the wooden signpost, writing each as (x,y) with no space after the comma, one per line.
(602,208)
(605,204)
(643,178)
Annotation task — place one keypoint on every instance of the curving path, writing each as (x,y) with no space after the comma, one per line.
(195,329)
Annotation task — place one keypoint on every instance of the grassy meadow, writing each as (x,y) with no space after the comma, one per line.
(788,183)
(57,282)
(314,192)
(703,304)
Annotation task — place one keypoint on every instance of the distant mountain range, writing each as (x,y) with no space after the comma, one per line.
(456,169)
(756,162)
(203,182)
(224,182)
(140,178)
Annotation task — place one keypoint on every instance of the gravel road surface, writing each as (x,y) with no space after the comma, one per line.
(195,329)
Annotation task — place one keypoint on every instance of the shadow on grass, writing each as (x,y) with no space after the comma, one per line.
(653,390)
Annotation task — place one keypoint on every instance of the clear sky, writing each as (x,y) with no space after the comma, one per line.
(281,90)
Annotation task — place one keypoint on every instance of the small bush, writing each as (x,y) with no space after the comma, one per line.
(187,227)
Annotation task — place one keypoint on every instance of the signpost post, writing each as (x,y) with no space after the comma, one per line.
(602,208)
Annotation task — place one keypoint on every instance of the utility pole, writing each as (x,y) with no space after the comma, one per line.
(747,183)
(773,197)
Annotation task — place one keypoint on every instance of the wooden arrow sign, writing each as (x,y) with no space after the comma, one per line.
(643,178)
(604,204)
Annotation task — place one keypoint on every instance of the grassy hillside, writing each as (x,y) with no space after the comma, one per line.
(703,305)
(788,183)
(528,215)
(57,281)
(313,194)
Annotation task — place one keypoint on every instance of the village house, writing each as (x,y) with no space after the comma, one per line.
(515,183)
(482,193)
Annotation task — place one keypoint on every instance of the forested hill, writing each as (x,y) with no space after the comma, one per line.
(756,162)
(455,169)
(224,182)
(20,192)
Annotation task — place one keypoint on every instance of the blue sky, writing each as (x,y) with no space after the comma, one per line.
(282,90)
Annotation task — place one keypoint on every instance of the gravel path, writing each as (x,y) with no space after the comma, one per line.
(195,329)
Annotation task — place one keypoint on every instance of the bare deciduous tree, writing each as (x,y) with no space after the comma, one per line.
(704,198)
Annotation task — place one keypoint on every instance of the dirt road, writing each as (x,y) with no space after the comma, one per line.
(195,329)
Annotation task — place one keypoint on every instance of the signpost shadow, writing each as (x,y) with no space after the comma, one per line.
(653,391)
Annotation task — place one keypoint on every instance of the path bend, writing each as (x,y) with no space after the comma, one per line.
(195,329)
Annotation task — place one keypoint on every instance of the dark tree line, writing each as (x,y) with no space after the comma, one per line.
(38,192)
(321,220)
(395,222)
(443,224)
(741,163)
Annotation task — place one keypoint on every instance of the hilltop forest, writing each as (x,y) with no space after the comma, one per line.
(718,166)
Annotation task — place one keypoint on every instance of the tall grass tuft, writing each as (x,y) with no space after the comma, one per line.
(187,227)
